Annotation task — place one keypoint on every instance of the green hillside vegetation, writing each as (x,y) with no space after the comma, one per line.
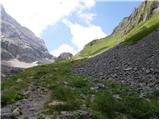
(138,32)
(143,29)
(113,101)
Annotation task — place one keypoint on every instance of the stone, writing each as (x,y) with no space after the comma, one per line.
(116,96)
(78,114)
(126,69)
(65,83)
(148,100)
(100,85)
(55,103)
(93,97)
(16,112)
(114,75)
(82,114)
(147,71)
(32,109)
(64,56)
(82,96)
(117,67)
(66,114)
(26,93)
(18,80)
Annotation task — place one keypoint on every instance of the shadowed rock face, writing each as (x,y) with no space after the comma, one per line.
(18,42)
(136,65)
(142,13)
(64,56)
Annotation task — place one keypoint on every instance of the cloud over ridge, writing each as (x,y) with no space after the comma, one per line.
(37,15)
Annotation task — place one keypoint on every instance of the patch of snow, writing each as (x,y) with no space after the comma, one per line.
(20,64)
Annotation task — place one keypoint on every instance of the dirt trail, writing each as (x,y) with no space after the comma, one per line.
(29,107)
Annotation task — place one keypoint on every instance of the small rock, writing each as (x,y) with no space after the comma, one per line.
(135,68)
(55,103)
(74,114)
(18,103)
(116,96)
(114,75)
(18,80)
(26,93)
(117,68)
(101,73)
(151,69)
(31,109)
(41,116)
(82,114)
(66,114)
(84,105)
(141,95)
(126,69)
(16,112)
(65,83)
(147,71)
(94,88)
(93,97)
(148,100)
(82,96)
(100,85)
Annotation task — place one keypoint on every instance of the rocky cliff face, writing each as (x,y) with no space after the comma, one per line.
(19,46)
(64,56)
(142,13)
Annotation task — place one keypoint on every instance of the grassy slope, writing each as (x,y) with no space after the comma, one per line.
(69,88)
(135,34)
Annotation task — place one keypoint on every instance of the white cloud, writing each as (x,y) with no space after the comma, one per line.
(38,14)
(81,35)
(86,4)
(87,17)
(63,48)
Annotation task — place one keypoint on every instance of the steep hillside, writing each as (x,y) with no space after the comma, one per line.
(19,46)
(136,64)
(128,27)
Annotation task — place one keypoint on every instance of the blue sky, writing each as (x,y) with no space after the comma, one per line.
(68,25)
(107,16)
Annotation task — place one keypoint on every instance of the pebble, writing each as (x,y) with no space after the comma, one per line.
(18,80)
(116,96)
(16,112)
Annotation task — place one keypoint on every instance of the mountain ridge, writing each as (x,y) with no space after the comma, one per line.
(20,44)
(141,14)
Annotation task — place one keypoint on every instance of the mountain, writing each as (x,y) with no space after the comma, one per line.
(20,48)
(127,28)
(120,83)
